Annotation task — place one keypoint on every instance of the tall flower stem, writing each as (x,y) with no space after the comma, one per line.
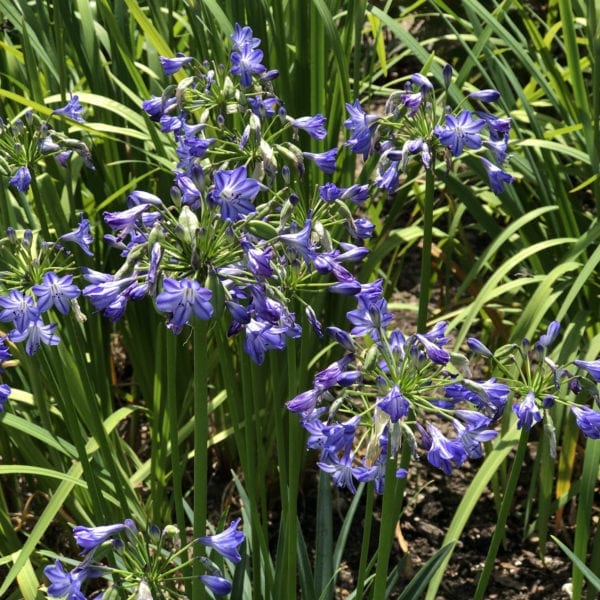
(425,287)
(200,342)
(393,494)
(500,529)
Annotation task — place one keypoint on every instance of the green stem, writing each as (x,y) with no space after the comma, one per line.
(507,502)
(425,288)
(366,541)
(200,442)
(393,494)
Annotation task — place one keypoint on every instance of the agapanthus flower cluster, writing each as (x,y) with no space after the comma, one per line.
(418,124)
(36,284)
(393,393)
(28,140)
(238,232)
(145,564)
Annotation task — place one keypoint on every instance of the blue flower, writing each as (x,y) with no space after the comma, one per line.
(65,584)
(460,131)
(234,192)
(90,538)
(4,394)
(35,333)
(262,336)
(18,308)
(81,236)
(497,177)
(341,471)
(479,348)
(226,543)
(301,241)
(246,61)
(442,451)
(591,366)
(527,412)
(21,179)
(172,65)
(588,421)
(324,160)
(55,291)
(71,110)
(394,404)
(242,37)
(182,298)
(314,126)
(216,584)
(487,95)
(361,127)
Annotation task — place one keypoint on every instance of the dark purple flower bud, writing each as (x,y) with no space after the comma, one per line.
(304,402)
(314,322)
(4,394)
(550,336)
(422,82)
(341,337)
(485,95)
(21,179)
(478,347)
(172,65)
(447,75)
(216,584)
(574,385)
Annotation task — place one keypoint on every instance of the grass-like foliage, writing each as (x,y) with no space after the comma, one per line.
(208,211)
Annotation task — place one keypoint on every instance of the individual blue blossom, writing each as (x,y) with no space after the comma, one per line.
(262,336)
(314,126)
(34,334)
(374,473)
(496,176)
(246,61)
(498,148)
(81,236)
(588,421)
(304,402)
(472,433)
(422,82)
(447,75)
(55,291)
(527,412)
(4,394)
(394,404)
(243,38)
(72,110)
(370,320)
(18,308)
(227,542)
(341,471)
(234,192)
(301,241)
(125,221)
(442,452)
(498,127)
(65,584)
(172,65)
(356,193)
(21,179)
(548,338)
(324,160)
(89,538)
(487,95)
(479,348)
(591,366)
(216,584)
(460,131)
(361,127)
(182,298)
(388,176)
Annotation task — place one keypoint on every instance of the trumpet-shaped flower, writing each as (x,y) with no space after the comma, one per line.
(227,542)
(182,298)
(55,291)
(460,131)
(234,192)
